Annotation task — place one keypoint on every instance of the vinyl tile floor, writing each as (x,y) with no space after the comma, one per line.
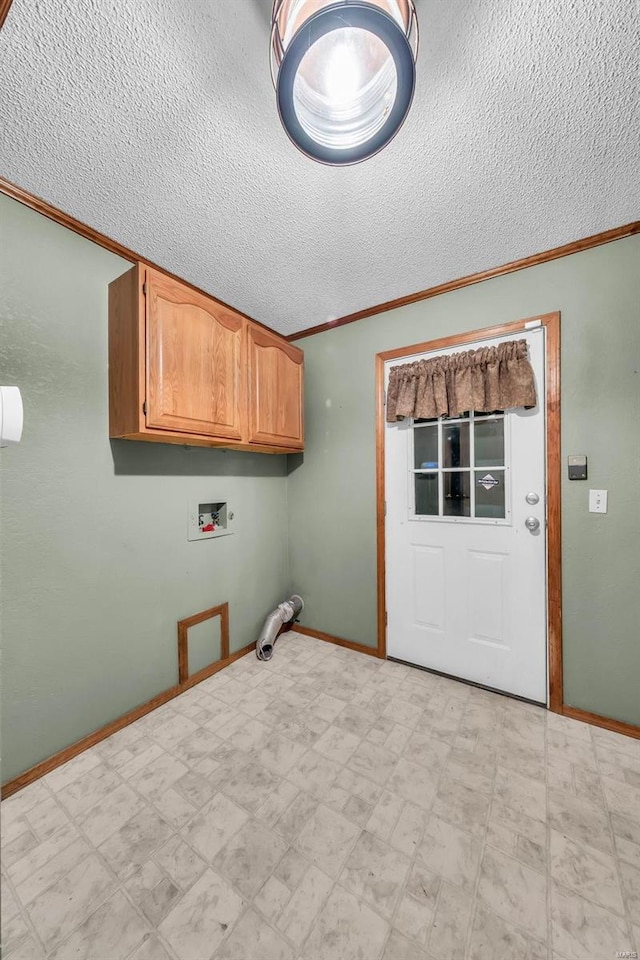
(330,806)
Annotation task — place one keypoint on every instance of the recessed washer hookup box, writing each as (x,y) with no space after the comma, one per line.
(209,519)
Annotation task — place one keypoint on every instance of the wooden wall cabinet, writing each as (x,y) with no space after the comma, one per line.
(275,389)
(184,368)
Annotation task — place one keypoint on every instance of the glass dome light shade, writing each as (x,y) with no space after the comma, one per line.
(289,15)
(344,74)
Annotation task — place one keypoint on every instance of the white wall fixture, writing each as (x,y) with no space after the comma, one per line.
(208,519)
(344,73)
(11,416)
(597,501)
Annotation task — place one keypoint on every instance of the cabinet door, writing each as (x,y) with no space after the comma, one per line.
(194,351)
(275,370)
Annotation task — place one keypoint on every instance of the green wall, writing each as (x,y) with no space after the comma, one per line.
(331,487)
(95,564)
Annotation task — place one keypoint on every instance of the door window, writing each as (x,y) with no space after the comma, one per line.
(459,468)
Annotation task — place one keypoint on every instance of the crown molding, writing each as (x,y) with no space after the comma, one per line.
(4,10)
(555,253)
(59,216)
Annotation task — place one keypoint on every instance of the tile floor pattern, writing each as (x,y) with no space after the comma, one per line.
(330,806)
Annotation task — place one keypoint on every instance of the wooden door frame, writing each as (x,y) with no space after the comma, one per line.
(551,321)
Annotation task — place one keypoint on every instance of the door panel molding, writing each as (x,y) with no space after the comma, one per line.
(551,321)
(424,554)
(487,567)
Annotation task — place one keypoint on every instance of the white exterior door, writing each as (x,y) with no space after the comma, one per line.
(465,574)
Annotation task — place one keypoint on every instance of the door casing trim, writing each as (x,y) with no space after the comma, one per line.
(551,322)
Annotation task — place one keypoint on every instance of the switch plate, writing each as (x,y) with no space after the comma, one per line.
(597,501)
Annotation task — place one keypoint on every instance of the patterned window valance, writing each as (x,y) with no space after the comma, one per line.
(491,378)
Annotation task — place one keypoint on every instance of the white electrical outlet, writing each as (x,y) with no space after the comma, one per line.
(597,501)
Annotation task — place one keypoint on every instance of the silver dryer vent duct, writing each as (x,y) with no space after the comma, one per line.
(283,613)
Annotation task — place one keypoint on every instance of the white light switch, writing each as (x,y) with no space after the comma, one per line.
(597,501)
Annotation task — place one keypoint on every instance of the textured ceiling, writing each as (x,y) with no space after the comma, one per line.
(154,121)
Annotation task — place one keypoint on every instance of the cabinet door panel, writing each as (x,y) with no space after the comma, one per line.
(276,371)
(193,362)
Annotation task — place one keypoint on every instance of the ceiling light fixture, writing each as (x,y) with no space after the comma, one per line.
(344,73)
